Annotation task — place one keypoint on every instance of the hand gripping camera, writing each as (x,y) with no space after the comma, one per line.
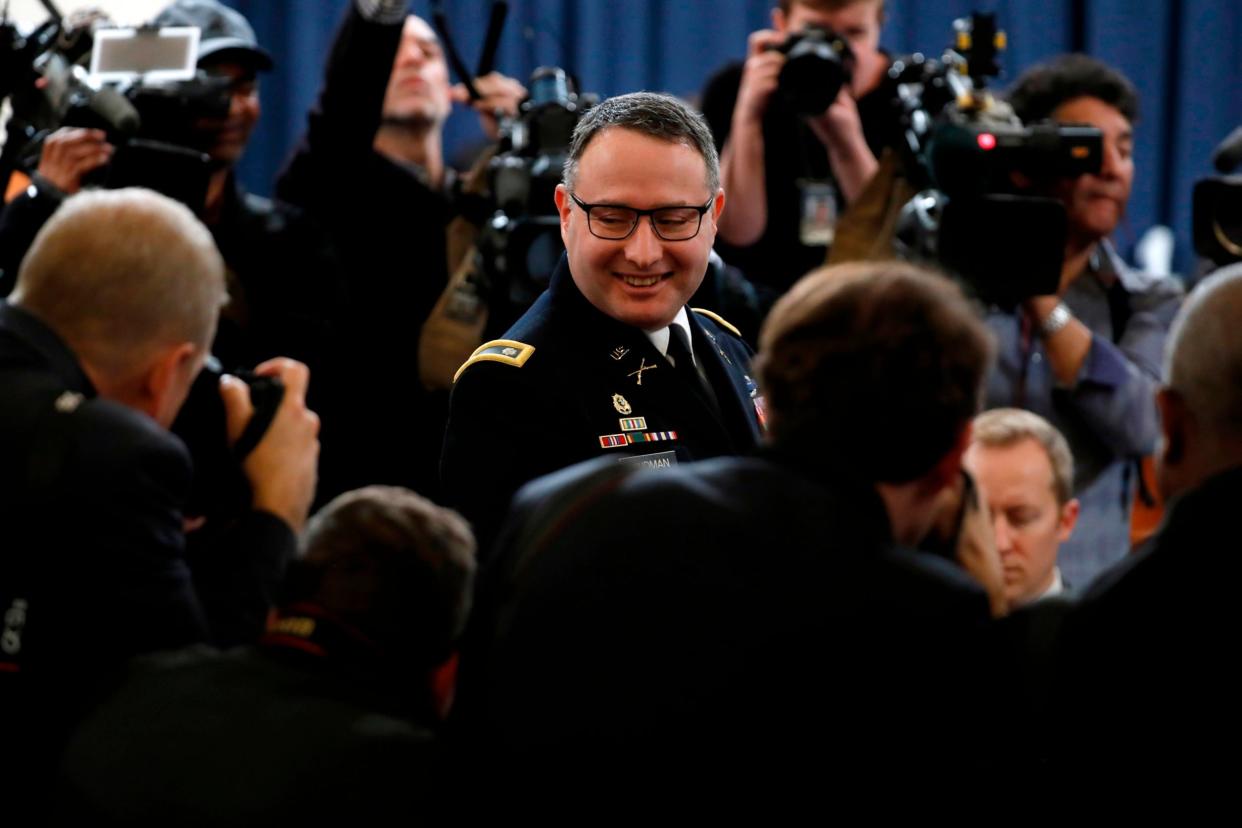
(818,62)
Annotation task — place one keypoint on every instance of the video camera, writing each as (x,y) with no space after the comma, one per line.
(818,62)
(1217,210)
(519,241)
(142,88)
(979,172)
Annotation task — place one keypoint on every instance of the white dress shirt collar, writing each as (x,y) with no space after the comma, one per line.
(659,338)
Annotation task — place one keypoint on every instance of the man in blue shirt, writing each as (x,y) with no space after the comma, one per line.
(1088,357)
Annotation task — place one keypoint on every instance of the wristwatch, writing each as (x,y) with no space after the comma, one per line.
(1056,320)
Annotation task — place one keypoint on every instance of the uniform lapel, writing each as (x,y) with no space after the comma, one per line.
(730,378)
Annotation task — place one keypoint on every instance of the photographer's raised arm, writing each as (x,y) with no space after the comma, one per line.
(840,130)
(501,97)
(344,121)
(742,172)
(1066,345)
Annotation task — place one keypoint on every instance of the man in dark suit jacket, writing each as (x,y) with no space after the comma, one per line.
(332,717)
(370,169)
(609,361)
(114,309)
(1155,635)
(747,619)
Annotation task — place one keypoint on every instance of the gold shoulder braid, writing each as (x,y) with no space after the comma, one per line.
(508,351)
(719,320)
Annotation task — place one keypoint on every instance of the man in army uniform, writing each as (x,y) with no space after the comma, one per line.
(609,361)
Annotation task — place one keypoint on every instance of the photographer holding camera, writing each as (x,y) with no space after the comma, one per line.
(285,282)
(1087,358)
(371,169)
(114,310)
(789,171)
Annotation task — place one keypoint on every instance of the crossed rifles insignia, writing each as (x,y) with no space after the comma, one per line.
(618,353)
(643,366)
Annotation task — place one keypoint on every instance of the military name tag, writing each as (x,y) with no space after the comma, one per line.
(660,460)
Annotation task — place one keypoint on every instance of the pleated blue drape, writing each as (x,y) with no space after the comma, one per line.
(1183,55)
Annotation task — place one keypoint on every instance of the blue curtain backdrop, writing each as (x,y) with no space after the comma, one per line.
(1183,55)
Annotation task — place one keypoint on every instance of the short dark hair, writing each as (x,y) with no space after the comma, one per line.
(650,113)
(1038,91)
(824,5)
(872,369)
(394,565)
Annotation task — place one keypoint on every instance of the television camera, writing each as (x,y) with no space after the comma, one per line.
(142,88)
(980,173)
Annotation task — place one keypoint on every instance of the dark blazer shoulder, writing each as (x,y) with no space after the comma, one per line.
(927,574)
(123,453)
(134,430)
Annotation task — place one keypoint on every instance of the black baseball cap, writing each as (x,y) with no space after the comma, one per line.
(225,33)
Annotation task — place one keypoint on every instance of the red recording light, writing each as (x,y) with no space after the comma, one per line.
(987,141)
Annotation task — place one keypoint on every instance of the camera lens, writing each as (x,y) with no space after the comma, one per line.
(1227,225)
(818,64)
(549,85)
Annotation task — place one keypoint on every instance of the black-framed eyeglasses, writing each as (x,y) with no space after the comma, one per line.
(615,222)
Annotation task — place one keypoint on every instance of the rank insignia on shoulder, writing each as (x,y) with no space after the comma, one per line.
(719,320)
(508,351)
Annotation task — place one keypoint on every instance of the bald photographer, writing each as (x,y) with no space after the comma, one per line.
(110,322)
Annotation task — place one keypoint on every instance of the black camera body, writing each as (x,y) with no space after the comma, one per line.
(818,62)
(220,491)
(149,118)
(982,211)
(1217,205)
(519,241)
(979,158)
(156,144)
(1217,219)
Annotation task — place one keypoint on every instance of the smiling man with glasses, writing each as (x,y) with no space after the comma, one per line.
(610,361)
